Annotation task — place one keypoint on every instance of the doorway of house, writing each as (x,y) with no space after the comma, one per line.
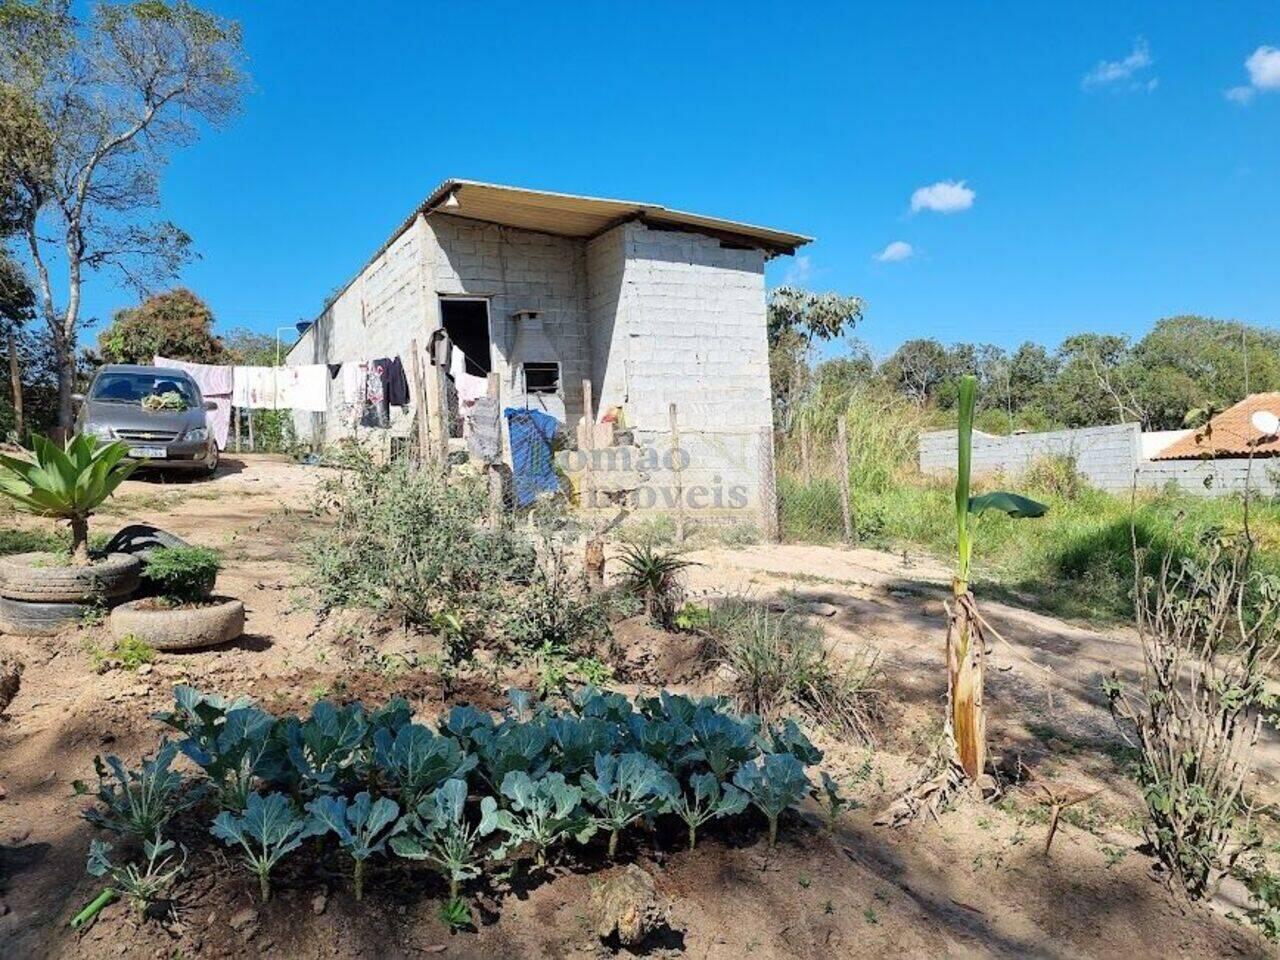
(466,321)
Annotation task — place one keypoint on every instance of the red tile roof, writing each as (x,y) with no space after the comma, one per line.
(1229,434)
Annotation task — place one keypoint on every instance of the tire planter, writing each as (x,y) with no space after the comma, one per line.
(221,620)
(28,618)
(22,578)
(141,538)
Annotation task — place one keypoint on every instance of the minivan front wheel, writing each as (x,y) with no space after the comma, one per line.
(212,466)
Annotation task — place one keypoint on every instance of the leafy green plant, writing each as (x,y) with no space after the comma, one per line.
(181,575)
(723,742)
(966,636)
(655,577)
(141,802)
(625,788)
(269,828)
(66,483)
(437,832)
(455,913)
(513,746)
(831,800)
(774,782)
(710,799)
(538,813)
(417,761)
(578,739)
(139,885)
(363,827)
(325,748)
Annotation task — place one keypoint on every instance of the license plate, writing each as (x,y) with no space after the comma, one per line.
(148,453)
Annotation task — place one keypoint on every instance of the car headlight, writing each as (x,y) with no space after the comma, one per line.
(100,430)
(198,434)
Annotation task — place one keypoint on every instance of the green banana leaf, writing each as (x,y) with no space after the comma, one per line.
(1014,504)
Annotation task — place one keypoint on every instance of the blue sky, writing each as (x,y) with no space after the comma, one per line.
(1114,180)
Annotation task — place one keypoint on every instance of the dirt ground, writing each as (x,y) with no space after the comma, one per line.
(975,884)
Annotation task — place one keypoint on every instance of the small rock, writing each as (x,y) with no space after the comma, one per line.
(319,902)
(627,904)
(242,918)
(144,669)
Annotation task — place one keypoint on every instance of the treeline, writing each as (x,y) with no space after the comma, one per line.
(1174,376)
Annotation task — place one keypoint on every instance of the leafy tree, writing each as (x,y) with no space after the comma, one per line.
(795,319)
(176,324)
(917,369)
(90,109)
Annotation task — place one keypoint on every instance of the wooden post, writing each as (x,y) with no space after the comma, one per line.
(842,463)
(805,470)
(768,487)
(676,466)
(15,379)
(438,434)
(251,447)
(497,502)
(419,403)
(238,426)
(586,482)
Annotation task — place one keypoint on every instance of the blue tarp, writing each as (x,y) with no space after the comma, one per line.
(532,463)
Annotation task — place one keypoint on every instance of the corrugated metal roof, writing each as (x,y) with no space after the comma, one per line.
(1229,434)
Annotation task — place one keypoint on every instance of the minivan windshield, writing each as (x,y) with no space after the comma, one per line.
(132,387)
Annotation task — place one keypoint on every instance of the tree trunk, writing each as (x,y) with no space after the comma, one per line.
(80,541)
(66,387)
(15,379)
(965,668)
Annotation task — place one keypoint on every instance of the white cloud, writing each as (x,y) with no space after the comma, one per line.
(1263,66)
(1125,73)
(945,196)
(898,250)
(798,272)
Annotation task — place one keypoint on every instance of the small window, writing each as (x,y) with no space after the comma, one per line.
(541,378)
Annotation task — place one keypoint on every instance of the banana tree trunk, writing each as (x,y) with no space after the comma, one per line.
(965,671)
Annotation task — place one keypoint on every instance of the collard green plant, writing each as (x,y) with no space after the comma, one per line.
(787,737)
(269,828)
(137,802)
(228,740)
(417,761)
(514,746)
(437,833)
(625,788)
(578,739)
(325,748)
(363,827)
(66,484)
(709,800)
(774,782)
(538,813)
(723,742)
(140,885)
(832,801)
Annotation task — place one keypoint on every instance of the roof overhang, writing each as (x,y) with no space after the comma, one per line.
(569,215)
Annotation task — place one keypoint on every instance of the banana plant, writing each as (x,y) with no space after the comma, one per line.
(966,643)
(363,827)
(66,483)
(711,799)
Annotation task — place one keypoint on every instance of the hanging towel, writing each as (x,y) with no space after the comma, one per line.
(532,465)
(303,388)
(254,388)
(376,413)
(215,383)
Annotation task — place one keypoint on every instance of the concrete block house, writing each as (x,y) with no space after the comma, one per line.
(652,306)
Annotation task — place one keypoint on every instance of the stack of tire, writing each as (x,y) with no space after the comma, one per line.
(38,599)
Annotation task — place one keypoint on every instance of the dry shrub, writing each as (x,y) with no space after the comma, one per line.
(1055,474)
(1210,634)
(781,662)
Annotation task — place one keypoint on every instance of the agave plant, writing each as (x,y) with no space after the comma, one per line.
(654,577)
(66,484)
(966,640)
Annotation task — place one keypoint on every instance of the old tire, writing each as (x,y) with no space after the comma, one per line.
(23,578)
(26,618)
(179,628)
(142,537)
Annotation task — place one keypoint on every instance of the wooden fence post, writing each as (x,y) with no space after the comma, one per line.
(587,443)
(842,461)
(676,467)
(420,403)
(494,470)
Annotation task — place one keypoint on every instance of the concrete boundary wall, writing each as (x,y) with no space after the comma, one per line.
(1109,458)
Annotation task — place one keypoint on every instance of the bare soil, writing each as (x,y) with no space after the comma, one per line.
(976,883)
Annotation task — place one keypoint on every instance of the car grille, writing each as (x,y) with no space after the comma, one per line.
(148,436)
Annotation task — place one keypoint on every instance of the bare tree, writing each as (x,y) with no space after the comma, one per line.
(88,112)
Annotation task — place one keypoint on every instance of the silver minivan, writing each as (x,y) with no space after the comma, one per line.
(175,436)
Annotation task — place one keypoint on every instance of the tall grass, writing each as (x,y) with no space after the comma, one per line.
(1076,561)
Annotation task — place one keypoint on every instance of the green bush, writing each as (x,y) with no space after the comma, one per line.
(181,574)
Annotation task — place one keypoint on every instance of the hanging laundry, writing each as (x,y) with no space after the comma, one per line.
(254,388)
(484,433)
(532,464)
(215,383)
(396,384)
(303,388)
(376,411)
